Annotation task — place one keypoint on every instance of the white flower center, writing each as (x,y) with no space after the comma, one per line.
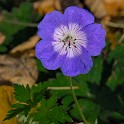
(69,39)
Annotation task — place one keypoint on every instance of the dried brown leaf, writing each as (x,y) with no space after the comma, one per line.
(114,7)
(67,3)
(6,100)
(27,45)
(18,69)
(102,8)
(2,38)
(97,7)
(46,6)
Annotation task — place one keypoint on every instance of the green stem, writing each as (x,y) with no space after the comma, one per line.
(33,25)
(77,103)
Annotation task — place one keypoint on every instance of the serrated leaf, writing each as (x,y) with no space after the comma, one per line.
(58,115)
(17,108)
(26,105)
(50,113)
(22,94)
(38,90)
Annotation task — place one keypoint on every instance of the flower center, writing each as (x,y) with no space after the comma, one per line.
(69,39)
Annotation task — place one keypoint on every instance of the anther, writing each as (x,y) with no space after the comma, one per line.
(66,48)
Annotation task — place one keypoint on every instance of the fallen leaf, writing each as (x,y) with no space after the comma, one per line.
(2,38)
(102,8)
(67,3)
(19,70)
(114,7)
(96,7)
(6,100)
(46,6)
(27,45)
(112,39)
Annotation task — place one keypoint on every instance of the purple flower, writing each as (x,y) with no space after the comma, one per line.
(69,40)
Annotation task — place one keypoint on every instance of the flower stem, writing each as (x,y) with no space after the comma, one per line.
(77,103)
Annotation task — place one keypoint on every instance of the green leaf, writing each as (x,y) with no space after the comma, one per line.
(117,53)
(15,21)
(96,72)
(116,57)
(38,90)
(24,97)
(117,115)
(16,109)
(50,113)
(94,75)
(60,81)
(3,49)
(22,119)
(22,94)
(40,67)
(63,81)
(22,13)
(115,79)
(67,102)
(58,115)
(89,109)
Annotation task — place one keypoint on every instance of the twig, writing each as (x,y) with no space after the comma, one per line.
(63,88)
(115,25)
(122,37)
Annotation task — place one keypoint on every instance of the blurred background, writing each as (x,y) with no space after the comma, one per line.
(18,37)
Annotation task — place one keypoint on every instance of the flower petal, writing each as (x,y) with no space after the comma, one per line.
(95,35)
(50,22)
(78,15)
(49,58)
(77,65)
